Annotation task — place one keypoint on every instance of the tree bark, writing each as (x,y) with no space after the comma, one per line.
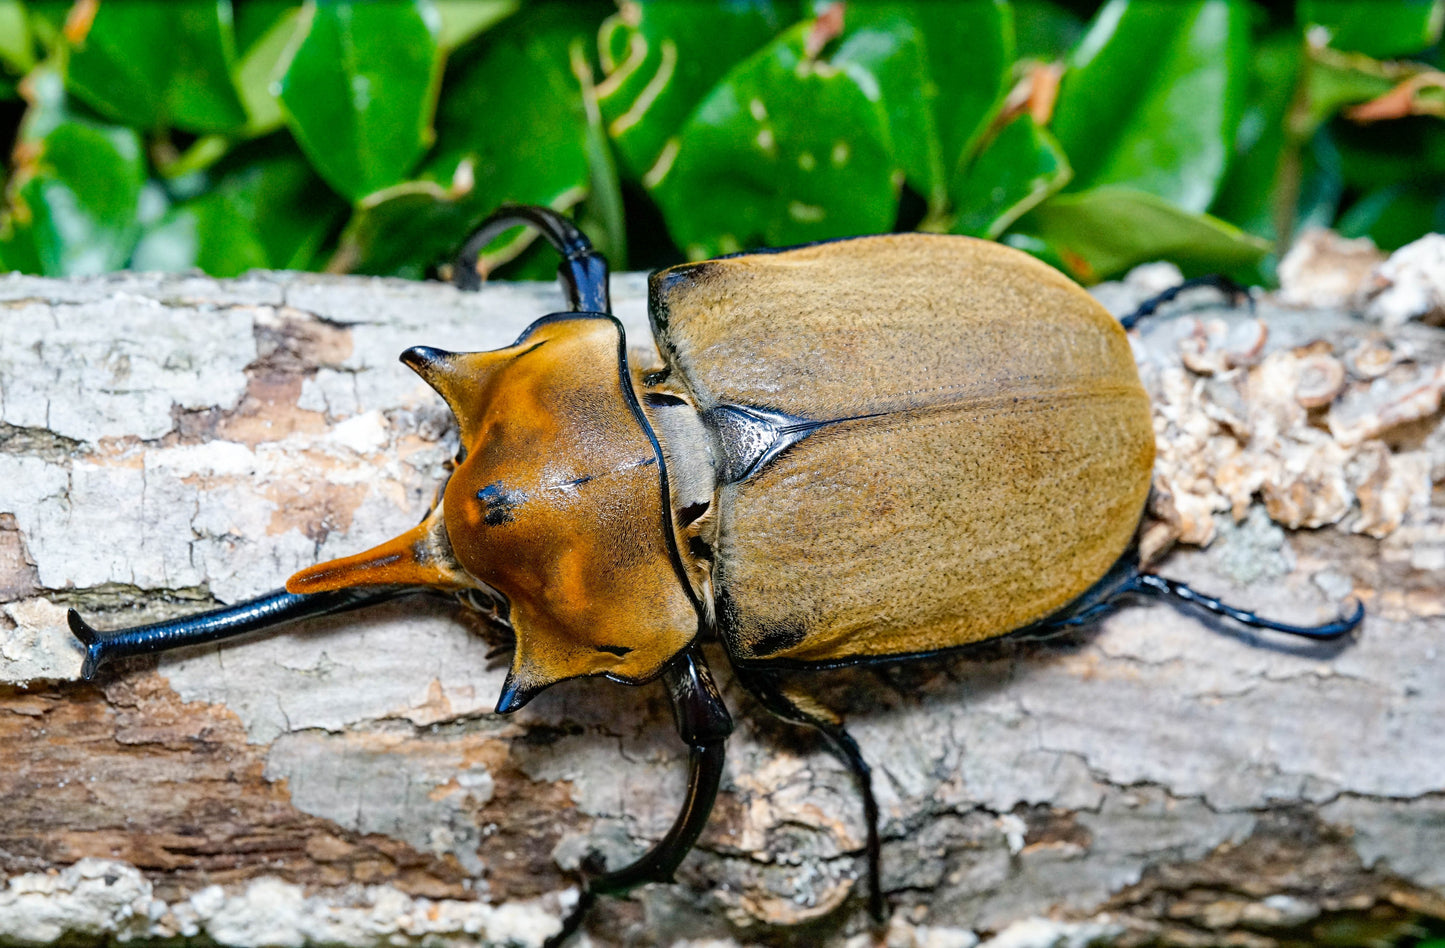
(170,443)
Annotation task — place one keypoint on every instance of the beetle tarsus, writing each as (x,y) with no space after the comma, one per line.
(583,272)
(1173,589)
(1224,284)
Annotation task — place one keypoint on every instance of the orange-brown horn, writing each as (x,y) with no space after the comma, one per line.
(420,557)
(458,377)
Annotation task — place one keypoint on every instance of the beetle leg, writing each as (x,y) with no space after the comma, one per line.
(1224,284)
(1173,589)
(797,709)
(263,612)
(704,724)
(583,272)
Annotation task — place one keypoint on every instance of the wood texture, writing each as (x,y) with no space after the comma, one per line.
(169,443)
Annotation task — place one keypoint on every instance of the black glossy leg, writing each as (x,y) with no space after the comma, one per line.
(263,612)
(1173,589)
(766,687)
(582,273)
(1124,579)
(704,724)
(1224,284)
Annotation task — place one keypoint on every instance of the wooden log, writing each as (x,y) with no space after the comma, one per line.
(168,443)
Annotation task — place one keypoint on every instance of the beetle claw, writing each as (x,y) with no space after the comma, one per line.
(90,638)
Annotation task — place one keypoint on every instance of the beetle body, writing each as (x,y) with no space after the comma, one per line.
(948,444)
(861,450)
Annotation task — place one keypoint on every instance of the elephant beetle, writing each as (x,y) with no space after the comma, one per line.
(863,450)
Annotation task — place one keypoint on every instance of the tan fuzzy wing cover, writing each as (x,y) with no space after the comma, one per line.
(997,464)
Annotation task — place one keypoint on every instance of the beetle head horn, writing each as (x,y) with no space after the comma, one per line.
(420,557)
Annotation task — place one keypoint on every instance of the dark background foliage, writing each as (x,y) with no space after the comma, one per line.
(371,137)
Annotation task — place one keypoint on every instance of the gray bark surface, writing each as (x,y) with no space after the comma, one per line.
(169,443)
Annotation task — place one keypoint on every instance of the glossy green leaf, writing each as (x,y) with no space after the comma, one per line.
(259,71)
(1152,98)
(512,128)
(288,207)
(1383,30)
(406,230)
(209,233)
(1252,190)
(78,206)
(360,91)
(601,213)
(970,54)
(1335,80)
(17,46)
(1021,167)
(153,64)
(255,18)
(1105,231)
(887,54)
(785,150)
(1045,30)
(660,59)
(464,19)
(1395,216)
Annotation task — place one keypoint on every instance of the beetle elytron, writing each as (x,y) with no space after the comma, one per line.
(862,450)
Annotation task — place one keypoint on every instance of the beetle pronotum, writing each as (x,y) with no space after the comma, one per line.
(871,449)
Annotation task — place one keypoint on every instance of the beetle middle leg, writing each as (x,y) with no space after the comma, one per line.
(799,709)
(704,724)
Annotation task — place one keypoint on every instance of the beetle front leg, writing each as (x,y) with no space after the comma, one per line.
(704,724)
(582,273)
(263,612)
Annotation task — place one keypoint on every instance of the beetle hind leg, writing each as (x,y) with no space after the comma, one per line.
(1224,284)
(798,709)
(1151,584)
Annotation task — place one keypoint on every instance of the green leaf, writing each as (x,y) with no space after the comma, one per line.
(1383,30)
(1395,216)
(259,72)
(405,230)
(602,215)
(208,232)
(512,128)
(971,55)
(1021,167)
(969,50)
(288,207)
(1045,30)
(1335,80)
(1152,98)
(360,91)
(17,46)
(1253,188)
(78,205)
(1105,231)
(886,56)
(660,59)
(154,64)
(785,150)
(464,19)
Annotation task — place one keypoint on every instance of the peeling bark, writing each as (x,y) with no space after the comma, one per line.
(170,443)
